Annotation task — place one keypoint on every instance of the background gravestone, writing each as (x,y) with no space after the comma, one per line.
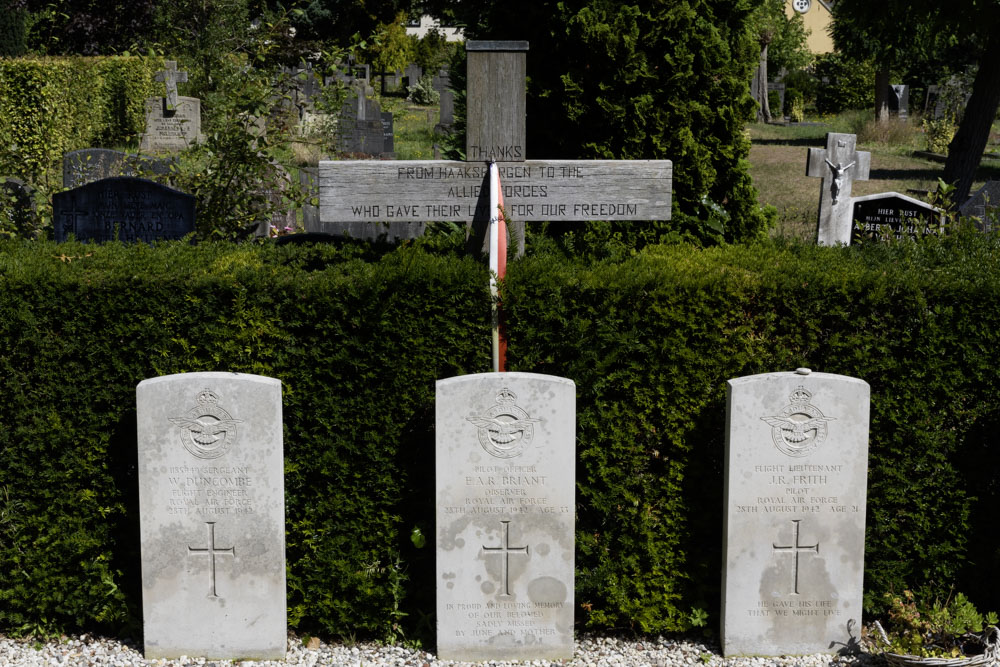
(505,464)
(211,502)
(890,215)
(93,164)
(172,122)
(794,534)
(899,101)
(983,206)
(122,209)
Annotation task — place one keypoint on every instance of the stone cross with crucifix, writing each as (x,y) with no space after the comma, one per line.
(839,165)
(171,76)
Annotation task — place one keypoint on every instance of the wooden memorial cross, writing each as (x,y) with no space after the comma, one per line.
(171,76)
(379,191)
(839,165)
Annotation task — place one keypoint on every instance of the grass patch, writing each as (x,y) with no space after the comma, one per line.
(414,132)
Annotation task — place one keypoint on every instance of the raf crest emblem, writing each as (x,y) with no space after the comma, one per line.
(799,428)
(505,430)
(207,431)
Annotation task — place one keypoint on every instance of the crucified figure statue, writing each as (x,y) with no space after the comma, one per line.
(838,178)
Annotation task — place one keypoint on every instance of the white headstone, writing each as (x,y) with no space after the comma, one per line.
(505,479)
(212,508)
(794,534)
(839,165)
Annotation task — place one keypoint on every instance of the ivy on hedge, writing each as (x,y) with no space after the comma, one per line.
(358,339)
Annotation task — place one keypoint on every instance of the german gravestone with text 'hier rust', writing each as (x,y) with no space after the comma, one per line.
(794,532)
(414,192)
(212,508)
(890,215)
(505,480)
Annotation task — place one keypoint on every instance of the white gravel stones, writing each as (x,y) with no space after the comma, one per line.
(591,651)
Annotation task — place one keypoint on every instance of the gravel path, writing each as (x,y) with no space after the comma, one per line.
(90,651)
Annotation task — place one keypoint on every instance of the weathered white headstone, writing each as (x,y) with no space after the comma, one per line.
(505,479)
(211,501)
(794,534)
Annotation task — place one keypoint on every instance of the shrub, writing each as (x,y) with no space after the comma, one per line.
(843,83)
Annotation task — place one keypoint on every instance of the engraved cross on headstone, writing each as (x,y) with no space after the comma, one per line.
(212,552)
(839,165)
(796,549)
(171,76)
(505,550)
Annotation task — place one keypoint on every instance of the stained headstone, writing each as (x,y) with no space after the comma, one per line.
(16,205)
(93,164)
(983,206)
(388,135)
(839,165)
(890,215)
(447,117)
(505,468)
(412,74)
(360,127)
(496,71)
(212,516)
(899,101)
(173,122)
(123,209)
(794,534)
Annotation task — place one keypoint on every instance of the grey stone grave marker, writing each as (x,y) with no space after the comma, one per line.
(388,135)
(361,192)
(505,480)
(839,165)
(273,187)
(794,534)
(93,164)
(173,122)
(983,206)
(447,112)
(890,215)
(899,101)
(122,209)
(211,503)
(412,74)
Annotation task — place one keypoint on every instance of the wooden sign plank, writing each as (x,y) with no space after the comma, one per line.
(441,190)
(495,99)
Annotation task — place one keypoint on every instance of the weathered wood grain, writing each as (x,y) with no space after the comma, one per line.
(441,190)
(495,112)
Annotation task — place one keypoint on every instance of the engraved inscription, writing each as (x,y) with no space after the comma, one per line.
(207,431)
(212,552)
(505,430)
(504,551)
(797,549)
(800,427)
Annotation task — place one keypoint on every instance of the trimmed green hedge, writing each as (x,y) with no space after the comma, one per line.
(358,341)
(49,106)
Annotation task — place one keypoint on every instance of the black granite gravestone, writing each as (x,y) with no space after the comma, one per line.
(890,215)
(93,164)
(123,209)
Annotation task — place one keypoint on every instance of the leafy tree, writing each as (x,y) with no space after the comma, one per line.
(87,27)
(340,21)
(642,80)
(891,29)
(773,29)
(391,49)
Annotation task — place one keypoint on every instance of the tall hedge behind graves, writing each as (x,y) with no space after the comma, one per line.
(49,106)
(358,342)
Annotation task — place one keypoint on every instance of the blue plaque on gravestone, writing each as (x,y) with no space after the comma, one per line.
(122,209)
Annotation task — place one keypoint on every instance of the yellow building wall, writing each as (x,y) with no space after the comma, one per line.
(817,21)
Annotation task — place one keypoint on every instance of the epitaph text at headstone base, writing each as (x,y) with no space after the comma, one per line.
(890,215)
(505,487)
(122,209)
(211,504)
(795,492)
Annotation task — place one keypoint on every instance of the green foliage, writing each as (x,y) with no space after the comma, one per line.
(642,80)
(53,105)
(358,335)
(935,630)
(423,92)
(13,32)
(391,49)
(939,133)
(844,83)
(433,51)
